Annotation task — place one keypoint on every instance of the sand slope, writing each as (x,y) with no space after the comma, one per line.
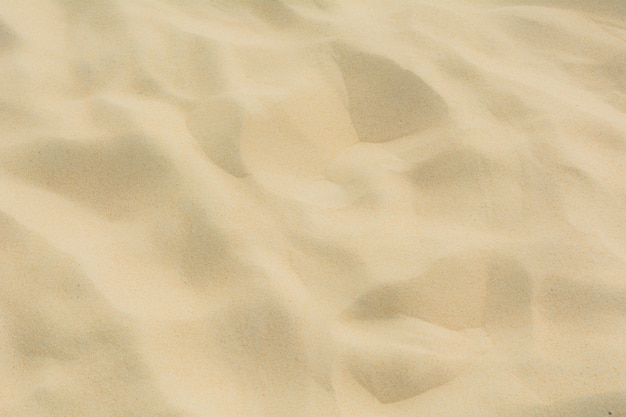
(312,208)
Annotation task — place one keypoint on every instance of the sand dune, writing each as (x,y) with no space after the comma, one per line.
(312,208)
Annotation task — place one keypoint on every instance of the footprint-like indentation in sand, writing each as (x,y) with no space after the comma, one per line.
(396,376)
(451,293)
(386,101)
(217,124)
(457,293)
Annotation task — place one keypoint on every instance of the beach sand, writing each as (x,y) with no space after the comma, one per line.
(312,208)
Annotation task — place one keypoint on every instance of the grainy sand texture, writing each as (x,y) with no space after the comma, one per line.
(312,208)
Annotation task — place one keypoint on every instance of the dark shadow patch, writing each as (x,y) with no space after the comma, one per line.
(197,248)
(216,124)
(386,101)
(453,166)
(397,376)
(450,294)
(8,37)
(55,317)
(115,177)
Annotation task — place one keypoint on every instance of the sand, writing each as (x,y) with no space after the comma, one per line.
(299,208)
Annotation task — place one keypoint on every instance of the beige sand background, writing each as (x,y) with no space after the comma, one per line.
(312,208)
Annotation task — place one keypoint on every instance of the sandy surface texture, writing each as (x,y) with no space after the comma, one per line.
(312,208)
